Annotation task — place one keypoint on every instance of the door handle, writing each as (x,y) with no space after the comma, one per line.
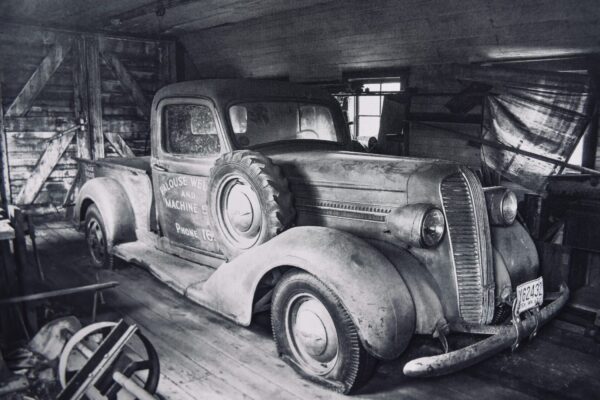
(159,167)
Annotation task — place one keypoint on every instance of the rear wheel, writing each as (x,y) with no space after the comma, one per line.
(95,236)
(315,334)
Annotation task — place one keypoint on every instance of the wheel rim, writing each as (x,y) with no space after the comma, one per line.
(239,212)
(96,241)
(90,333)
(312,334)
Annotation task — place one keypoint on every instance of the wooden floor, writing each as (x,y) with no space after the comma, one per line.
(204,356)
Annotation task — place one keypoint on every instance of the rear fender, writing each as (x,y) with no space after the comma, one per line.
(114,206)
(366,282)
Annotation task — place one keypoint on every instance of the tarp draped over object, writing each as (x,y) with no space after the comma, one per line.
(545,113)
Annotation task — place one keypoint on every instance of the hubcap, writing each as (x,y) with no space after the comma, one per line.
(95,240)
(239,212)
(312,334)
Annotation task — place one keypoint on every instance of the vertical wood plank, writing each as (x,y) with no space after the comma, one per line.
(95,95)
(5,177)
(129,83)
(44,167)
(81,98)
(590,144)
(167,63)
(24,100)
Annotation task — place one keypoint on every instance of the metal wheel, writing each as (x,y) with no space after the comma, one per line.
(312,334)
(95,236)
(239,211)
(96,241)
(249,201)
(83,343)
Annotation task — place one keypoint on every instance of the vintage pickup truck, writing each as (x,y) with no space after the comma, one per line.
(253,200)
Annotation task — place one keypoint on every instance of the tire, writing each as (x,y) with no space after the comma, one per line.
(260,193)
(342,363)
(95,236)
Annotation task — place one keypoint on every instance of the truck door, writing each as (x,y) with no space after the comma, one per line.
(189,142)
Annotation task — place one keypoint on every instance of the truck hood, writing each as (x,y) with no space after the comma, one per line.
(371,175)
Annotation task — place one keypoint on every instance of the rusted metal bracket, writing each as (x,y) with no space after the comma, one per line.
(442,328)
(535,314)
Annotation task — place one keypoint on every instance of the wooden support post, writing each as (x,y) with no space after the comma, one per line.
(5,177)
(24,100)
(590,141)
(95,95)
(167,71)
(81,98)
(129,83)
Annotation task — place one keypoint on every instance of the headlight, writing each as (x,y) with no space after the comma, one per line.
(501,205)
(432,228)
(419,225)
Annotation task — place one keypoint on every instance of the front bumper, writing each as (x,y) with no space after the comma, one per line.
(504,337)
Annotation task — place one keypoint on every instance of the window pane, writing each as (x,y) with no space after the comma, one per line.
(368,126)
(351,114)
(265,122)
(316,123)
(368,105)
(390,87)
(190,129)
(351,110)
(372,87)
(577,156)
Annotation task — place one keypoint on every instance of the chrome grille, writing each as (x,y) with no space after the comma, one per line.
(469,233)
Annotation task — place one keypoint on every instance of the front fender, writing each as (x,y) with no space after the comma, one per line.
(114,205)
(515,257)
(368,285)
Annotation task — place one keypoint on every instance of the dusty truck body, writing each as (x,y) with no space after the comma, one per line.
(252,200)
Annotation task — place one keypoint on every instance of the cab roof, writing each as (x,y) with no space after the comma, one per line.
(225,91)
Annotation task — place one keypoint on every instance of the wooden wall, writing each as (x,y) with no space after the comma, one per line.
(435,85)
(49,80)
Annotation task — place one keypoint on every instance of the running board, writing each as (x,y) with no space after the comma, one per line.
(175,272)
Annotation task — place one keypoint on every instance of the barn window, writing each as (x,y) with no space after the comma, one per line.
(363,109)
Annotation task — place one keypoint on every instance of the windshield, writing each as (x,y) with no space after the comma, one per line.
(264,122)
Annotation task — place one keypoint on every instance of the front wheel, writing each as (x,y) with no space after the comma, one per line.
(315,334)
(95,236)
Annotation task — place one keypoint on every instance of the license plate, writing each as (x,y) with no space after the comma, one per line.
(529,295)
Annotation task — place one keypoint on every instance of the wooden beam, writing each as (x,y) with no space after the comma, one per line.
(119,144)
(5,177)
(54,151)
(590,138)
(24,100)
(129,83)
(81,97)
(446,118)
(95,95)
(167,63)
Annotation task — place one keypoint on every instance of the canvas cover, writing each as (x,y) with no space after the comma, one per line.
(545,113)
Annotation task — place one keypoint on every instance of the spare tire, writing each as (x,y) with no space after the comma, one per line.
(249,201)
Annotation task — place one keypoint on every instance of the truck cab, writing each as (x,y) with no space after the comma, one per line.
(253,200)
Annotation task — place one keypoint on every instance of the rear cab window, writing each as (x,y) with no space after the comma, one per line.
(190,129)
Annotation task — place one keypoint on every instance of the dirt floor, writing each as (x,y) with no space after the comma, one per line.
(204,356)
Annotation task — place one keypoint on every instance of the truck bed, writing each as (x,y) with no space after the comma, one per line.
(141,163)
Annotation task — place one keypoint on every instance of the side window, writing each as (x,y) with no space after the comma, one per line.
(190,129)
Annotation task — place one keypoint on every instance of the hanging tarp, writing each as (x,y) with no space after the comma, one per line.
(545,113)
